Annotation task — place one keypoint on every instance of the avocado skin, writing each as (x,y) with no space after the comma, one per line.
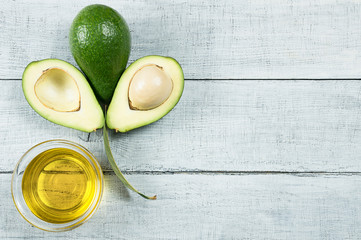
(100,43)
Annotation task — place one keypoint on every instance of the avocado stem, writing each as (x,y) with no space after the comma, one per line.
(114,165)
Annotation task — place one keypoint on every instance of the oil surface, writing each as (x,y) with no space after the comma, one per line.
(59,185)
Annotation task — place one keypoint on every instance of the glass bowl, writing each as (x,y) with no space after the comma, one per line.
(32,157)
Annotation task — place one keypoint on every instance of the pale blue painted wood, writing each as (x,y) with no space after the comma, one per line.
(228,126)
(217,126)
(211,39)
(213,207)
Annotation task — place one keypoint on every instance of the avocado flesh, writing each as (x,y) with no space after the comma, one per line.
(60,93)
(121,116)
(100,43)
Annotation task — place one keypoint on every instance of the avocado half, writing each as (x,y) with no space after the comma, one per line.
(148,89)
(59,92)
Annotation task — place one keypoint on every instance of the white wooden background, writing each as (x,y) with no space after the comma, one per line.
(264,144)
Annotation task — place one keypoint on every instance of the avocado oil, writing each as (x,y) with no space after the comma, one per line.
(59,185)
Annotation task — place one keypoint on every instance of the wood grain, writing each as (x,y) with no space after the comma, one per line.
(213,207)
(217,126)
(212,39)
(223,162)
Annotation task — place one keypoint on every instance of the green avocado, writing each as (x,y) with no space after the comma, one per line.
(60,93)
(148,89)
(100,43)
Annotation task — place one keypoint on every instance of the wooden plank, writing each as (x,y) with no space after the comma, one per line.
(213,207)
(211,39)
(217,126)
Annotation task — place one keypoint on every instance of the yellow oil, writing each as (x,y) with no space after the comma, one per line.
(59,185)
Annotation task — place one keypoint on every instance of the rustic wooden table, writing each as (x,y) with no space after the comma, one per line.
(264,144)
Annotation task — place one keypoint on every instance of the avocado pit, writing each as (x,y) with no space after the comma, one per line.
(57,90)
(149,88)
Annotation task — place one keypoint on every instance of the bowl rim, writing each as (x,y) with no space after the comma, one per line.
(16,188)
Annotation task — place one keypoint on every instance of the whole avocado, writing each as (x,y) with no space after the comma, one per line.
(100,43)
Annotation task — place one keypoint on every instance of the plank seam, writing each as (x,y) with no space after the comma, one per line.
(110,172)
(247,79)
